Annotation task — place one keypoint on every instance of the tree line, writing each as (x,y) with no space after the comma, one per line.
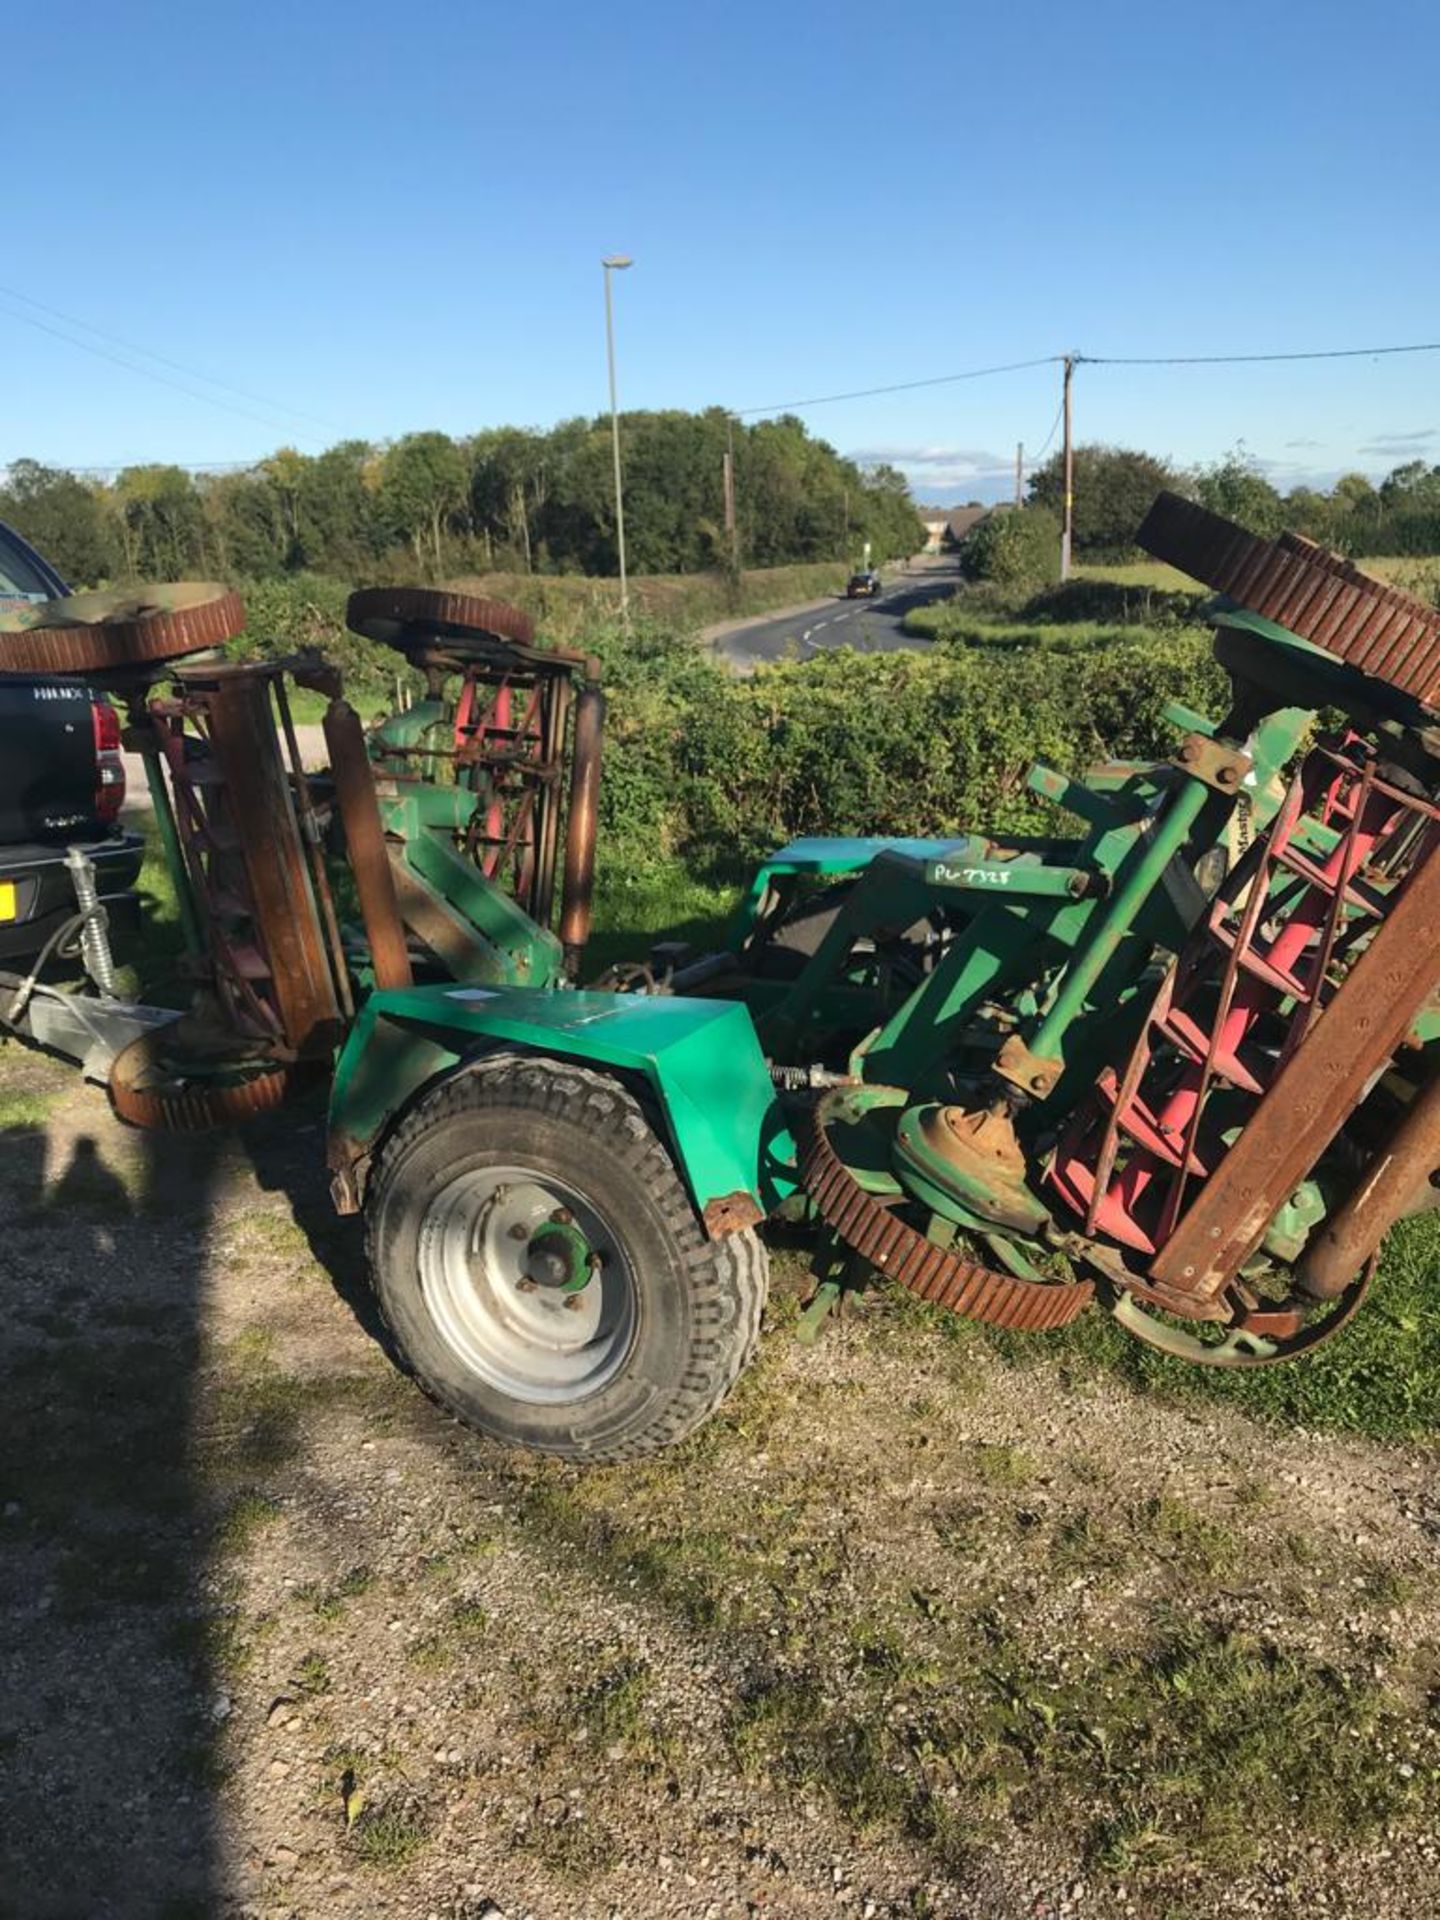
(1114,486)
(507,499)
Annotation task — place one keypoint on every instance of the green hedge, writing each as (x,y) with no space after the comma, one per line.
(718,769)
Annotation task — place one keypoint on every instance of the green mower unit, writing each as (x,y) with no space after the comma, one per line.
(1178,1059)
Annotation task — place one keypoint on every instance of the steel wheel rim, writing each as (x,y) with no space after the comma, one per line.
(525,1341)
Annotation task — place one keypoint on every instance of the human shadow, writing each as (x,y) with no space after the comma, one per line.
(107,1685)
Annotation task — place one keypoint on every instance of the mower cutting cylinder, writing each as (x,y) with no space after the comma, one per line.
(365,846)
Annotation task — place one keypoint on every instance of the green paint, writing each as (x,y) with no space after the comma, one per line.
(1134,886)
(699,1059)
(175,865)
(566,1242)
(500,944)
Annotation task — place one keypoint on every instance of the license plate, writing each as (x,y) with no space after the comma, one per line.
(9,908)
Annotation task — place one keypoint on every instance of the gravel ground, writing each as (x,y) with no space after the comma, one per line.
(883,1640)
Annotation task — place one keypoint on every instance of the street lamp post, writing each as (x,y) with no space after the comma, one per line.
(613,263)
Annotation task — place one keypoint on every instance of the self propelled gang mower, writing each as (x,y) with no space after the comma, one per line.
(1180,1060)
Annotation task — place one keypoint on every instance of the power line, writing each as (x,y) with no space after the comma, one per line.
(1091,360)
(1039,455)
(103,469)
(1238,359)
(147,373)
(901,386)
(176,366)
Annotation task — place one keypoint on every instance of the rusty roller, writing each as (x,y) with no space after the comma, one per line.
(1318,595)
(165,1095)
(894,1247)
(93,633)
(404,617)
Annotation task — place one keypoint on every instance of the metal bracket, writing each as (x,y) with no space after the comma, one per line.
(1035,1074)
(1220,766)
(89,1031)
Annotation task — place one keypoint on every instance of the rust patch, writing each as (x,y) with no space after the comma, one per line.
(1219,766)
(730,1213)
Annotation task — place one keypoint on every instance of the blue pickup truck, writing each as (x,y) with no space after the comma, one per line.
(62,782)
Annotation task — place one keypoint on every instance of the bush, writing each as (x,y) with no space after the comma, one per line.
(717,769)
(1117,604)
(720,769)
(1018,548)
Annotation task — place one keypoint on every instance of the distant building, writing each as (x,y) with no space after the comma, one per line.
(934,520)
(959,521)
(948,526)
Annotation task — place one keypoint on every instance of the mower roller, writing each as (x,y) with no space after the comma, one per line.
(1180,1058)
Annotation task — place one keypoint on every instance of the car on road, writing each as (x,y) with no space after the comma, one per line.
(863,585)
(62,782)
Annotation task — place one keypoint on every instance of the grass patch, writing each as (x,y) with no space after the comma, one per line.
(390,1837)
(26,1107)
(637,903)
(1181,1533)
(465,1625)
(613,1707)
(246,1515)
(312,1674)
(1379,1376)
(1083,1543)
(329,1602)
(1190,1752)
(564,1838)
(998,1465)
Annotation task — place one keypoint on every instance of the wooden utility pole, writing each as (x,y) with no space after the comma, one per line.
(732,524)
(1019,473)
(1068,521)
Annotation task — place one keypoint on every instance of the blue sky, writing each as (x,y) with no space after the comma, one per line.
(373,218)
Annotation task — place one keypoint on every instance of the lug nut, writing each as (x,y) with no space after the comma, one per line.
(561,1217)
(519,1231)
(525,1284)
(573,1303)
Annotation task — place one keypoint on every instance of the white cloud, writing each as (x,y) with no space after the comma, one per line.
(1399,444)
(928,459)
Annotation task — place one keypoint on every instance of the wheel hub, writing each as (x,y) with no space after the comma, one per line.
(526,1284)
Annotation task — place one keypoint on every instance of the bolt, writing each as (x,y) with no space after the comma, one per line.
(562,1217)
(519,1231)
(525,1284)
(500,1193)
(573,1303)
(1226,776)
(1188,752)
(1037,1083)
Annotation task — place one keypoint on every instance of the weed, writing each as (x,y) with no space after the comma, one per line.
(1082,1543)
(1002,1466)
(569,1842)
(612,1706)
(466,1622)
(391,1836)
(312,1674)
(243,1518)
(328,1603)
(26,1107)
(1186,1535)
(1383,1584)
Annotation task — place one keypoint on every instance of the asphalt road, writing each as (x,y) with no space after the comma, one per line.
(870,626)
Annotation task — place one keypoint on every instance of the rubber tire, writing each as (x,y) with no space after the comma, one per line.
(699,1301)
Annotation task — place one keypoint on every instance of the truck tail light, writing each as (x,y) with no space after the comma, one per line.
(109,762)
